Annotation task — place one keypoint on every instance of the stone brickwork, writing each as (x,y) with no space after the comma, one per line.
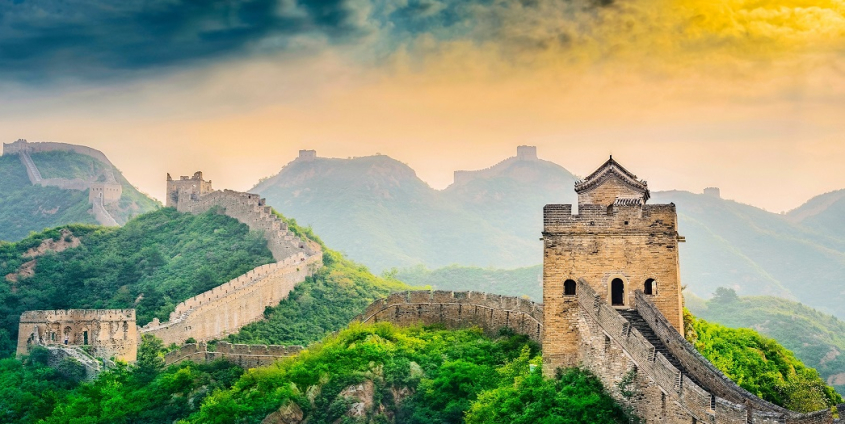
(108,192)
(613,349)
(616,246)
(186,189)
(225,309)
(490,312)
(108,332)
(246,356)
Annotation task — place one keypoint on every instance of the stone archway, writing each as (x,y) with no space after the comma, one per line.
(617,292)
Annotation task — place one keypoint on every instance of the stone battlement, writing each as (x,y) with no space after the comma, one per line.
(79,314)
(490,312)
(620,219)
(246,356)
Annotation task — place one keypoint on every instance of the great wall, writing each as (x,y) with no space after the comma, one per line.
(611,290)
(208,316)
(100,193)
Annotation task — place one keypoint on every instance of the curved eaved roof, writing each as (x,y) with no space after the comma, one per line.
(610,169)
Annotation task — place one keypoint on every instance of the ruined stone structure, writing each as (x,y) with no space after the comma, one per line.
(489,312)
(247,356)
(523,153)
(612,304)
(107,332)
(100,193)
(186,189)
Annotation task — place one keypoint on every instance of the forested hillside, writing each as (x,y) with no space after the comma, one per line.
(26,208)
(817,339)
(151,264)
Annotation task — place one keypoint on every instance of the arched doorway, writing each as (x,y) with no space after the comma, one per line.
(617,292)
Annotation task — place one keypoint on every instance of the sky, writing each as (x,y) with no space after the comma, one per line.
(746,95)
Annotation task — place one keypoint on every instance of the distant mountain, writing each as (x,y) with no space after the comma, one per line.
(755,252)
(817,339)
(824,213)
(50,184)
(376,209)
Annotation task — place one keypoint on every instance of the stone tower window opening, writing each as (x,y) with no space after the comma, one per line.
(650,287)
(569,288)
(617,292)
(85,337)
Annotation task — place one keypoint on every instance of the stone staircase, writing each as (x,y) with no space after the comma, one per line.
(634,318)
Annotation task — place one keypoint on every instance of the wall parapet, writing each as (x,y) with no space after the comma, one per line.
(247,356)
(458,310)
(675,383)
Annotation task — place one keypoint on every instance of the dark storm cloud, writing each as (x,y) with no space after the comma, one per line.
(100,38)
(44,40)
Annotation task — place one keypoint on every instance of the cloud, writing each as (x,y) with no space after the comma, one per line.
(92,39)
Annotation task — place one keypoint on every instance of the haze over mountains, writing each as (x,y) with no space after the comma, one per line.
(26,207)
(379,212)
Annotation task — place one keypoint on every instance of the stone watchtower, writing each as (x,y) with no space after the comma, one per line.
(617,244)
(186,188)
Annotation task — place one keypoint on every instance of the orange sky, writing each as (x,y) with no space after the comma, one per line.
(747,96)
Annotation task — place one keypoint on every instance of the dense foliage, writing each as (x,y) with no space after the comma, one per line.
(25,208)
(762,366)
(817,339)
(147,392)
(323,303)
(418,375)
(151,264)
(509,282)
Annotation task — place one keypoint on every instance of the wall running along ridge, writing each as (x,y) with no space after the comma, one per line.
(490,312)
(226,309)
(99,192)
(246,356)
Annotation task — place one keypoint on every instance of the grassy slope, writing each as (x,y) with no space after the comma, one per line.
(154,262)
(816,338)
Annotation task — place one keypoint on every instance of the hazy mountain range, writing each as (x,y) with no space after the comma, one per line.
(376,210)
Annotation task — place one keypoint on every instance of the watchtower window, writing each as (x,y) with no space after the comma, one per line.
(648,287)
(617,292)
(569,288)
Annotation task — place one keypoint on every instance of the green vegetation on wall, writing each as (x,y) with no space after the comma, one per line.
(151,264)
(761,366)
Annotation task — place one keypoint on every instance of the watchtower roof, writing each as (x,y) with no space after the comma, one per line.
(608,170)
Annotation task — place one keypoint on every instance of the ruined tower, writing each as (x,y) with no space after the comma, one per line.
(186,188)
(617,244)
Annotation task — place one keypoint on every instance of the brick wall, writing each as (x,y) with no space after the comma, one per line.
(227,308)
(246,356)
(489,312)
